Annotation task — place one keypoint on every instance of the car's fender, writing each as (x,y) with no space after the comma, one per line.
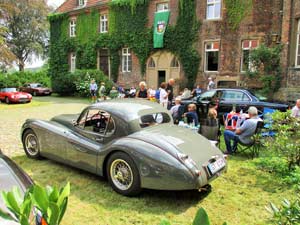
(158,169)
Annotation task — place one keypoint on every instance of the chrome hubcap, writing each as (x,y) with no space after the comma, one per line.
(121,174)
(31,144)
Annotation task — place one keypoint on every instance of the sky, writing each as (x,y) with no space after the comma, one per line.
(37,62)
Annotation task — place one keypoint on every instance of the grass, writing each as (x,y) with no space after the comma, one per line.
(33,103)
(238,197)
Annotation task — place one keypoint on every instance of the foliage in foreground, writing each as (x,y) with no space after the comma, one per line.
(286,143)
(201,218)
(49,202)
(288,213)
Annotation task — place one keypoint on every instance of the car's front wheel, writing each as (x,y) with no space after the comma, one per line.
(31,144)
(123,174)
(7,100)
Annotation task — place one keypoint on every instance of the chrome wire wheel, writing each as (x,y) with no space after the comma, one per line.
(31,144)
(121,174)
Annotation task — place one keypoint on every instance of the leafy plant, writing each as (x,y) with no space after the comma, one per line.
(201,218)
(50,202)
(266,61)
(286,143)
(287,214)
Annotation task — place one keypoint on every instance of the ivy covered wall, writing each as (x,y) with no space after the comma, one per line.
(127,28)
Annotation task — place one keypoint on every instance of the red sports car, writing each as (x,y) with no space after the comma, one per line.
(36,89)
(13,95)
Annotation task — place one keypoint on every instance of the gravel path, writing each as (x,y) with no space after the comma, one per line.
(13,116)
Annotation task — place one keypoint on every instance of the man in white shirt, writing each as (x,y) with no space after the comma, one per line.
(296,109)
(211,84)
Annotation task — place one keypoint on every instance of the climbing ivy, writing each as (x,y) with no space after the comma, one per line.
(127,28)
(236,11)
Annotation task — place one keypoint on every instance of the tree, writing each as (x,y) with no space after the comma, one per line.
(26,28)
(6,56)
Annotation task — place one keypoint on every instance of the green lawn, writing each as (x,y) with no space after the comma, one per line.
(238,197)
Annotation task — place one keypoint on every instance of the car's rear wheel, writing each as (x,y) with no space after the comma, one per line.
(31,144)
(34,93)
(123,174)
(7,100)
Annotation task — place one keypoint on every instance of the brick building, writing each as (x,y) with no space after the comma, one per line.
(223,51)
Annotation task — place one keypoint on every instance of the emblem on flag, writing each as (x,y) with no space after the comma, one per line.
(160,28)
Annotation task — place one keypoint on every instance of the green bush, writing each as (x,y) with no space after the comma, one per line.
(83,79)
(287,214)
(17,79)
(64,85)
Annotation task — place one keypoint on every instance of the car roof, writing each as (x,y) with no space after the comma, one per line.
(129,109)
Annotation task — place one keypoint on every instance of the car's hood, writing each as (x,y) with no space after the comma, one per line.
(174,139)
(66,119)
(19,94)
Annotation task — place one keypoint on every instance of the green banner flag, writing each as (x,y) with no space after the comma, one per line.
(161,20)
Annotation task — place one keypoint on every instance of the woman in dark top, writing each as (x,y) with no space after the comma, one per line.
(142,92)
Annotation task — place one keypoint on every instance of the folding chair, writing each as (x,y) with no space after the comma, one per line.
(255,145)
(210,128)
(267,116)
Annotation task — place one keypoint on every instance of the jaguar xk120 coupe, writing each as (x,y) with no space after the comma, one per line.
(131,142)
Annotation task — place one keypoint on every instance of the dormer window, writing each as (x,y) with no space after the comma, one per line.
(82,3)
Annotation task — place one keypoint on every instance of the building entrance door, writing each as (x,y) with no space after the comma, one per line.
(104,61)
(161,77)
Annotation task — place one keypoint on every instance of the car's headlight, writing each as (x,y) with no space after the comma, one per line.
(13,96)
(188,161)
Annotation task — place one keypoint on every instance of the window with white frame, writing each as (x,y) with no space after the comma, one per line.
(81,2)
(162,7)
(211,56)
(213,9)
(103,23)
(297,64)
(247,45)
(126,60)
(72,62)
(73,28)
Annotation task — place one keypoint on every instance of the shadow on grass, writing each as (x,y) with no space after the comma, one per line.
(92,189)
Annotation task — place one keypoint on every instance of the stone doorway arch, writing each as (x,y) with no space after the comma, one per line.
(161,66)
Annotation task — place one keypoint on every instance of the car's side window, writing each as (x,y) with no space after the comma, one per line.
(234,96)
(97,121)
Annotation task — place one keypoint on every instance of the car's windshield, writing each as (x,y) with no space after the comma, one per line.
(36,85)
(154,119)
(9,90)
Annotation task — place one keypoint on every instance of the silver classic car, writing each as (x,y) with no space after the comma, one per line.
(131,142)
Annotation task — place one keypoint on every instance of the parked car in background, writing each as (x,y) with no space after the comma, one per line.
(12,95)
(36,89)
(11,175)
(131,142)
(228,99)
